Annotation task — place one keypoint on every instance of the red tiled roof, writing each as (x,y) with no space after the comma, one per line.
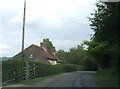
(41,52)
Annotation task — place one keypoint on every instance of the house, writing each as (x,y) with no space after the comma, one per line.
(39,54)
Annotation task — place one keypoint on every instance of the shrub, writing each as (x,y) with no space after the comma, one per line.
(9,67)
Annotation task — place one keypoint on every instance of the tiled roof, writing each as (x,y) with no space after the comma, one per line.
(41,52)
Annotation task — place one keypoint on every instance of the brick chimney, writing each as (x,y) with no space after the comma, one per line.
(44,45)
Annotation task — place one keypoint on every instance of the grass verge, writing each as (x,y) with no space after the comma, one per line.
(107,78)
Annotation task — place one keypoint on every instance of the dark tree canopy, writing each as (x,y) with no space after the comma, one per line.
(105,22)
(105,43)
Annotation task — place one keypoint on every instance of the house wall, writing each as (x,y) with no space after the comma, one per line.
(53,62)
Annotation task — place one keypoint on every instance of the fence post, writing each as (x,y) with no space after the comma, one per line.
(34,69)
(27,68)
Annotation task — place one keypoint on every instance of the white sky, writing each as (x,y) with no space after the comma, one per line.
(64,22)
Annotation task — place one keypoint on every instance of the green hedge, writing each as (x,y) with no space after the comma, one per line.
(11,66)
(8,67)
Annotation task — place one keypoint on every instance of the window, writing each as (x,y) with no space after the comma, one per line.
(31,56)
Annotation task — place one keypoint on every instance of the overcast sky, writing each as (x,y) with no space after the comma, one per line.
(64,22)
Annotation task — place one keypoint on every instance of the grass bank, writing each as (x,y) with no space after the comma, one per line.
(107,78)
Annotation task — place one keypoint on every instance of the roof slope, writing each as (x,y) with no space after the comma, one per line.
(41,52)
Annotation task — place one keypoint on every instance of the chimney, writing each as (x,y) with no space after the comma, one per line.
(54,50)
(44,45)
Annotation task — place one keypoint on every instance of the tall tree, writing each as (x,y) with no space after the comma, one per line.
(61,54)
(105,22)
(106,38)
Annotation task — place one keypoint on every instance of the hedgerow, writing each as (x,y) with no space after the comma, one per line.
(14,69)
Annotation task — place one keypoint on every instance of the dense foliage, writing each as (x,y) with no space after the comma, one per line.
(105,43)
(61,54)
(77,56)
(9,67)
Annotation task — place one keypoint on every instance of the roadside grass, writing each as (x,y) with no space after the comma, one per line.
(107,78)
(32,81)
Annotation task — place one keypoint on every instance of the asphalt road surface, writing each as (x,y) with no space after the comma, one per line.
(73,79)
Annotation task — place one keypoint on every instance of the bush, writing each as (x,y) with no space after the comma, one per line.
(70,67)
(9,67)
